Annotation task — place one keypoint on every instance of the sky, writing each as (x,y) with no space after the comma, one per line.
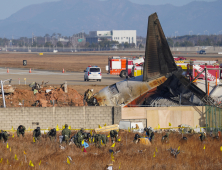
(9,7)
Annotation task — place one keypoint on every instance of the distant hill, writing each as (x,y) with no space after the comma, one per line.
(72,16)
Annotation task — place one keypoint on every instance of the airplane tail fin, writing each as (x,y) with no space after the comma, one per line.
(158,57)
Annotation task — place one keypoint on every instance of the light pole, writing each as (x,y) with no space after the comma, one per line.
(176,32)
(3,95)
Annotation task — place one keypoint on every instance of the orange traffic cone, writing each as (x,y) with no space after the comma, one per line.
(7,70)
(63,71)
(30,70)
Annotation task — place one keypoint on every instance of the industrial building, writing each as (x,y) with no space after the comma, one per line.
(121,36)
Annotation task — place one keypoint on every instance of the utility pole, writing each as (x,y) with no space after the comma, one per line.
(32,38)
(206,78)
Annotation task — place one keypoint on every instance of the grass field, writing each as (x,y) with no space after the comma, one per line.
(131,156)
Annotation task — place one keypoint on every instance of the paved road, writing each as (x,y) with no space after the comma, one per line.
(73,78)
(123,53)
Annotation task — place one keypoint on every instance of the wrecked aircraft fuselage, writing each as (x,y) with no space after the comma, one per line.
(128,92)
(158,67)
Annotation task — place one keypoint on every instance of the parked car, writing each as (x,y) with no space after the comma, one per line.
(202,52)
(93,73)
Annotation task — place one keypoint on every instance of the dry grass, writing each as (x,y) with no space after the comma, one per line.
(192,155)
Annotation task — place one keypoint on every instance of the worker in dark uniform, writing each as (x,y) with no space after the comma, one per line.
(73,139)
(86,136)
(165,138)
(148,131)
(136,138)
(114,134)
(100,138)
(152,137)
(66,134)
(4,136)
(79,133)
(52,134)
(21,130)
(37,134)
(202,136)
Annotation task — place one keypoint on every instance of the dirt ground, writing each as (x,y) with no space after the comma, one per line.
(24,95)
(77,63)
(127,155)
(53,62)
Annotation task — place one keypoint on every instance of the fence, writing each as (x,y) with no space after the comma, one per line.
(213,119)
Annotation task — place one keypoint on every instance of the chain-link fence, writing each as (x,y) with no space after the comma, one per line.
(213,119)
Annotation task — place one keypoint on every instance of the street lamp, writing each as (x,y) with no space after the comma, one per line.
(3,94)
(176,32)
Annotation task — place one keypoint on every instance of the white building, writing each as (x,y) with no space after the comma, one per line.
(121,36)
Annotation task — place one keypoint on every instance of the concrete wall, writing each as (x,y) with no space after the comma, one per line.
(164,115)
(90,117)
(76,117)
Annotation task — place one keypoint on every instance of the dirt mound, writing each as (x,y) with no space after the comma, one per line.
(46,97)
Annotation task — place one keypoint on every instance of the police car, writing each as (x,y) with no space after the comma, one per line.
(93,73)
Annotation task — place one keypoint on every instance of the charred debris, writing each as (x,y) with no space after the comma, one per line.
(162,82)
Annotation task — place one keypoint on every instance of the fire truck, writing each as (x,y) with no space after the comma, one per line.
(192,68)
(119,66)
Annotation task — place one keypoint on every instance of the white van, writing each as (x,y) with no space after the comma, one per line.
(93,73)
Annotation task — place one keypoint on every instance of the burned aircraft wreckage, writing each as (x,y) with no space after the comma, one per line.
(161,84)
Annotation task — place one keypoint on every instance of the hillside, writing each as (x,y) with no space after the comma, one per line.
(71,16)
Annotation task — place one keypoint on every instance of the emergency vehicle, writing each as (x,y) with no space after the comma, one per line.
(119,66)
(193,68)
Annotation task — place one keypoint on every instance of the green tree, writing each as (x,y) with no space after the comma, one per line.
(126,45)
(59,44)
(170,42)
(48,44)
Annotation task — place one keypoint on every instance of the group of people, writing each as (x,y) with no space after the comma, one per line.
(165,139)
(81,135)
(149,132)
(77,139)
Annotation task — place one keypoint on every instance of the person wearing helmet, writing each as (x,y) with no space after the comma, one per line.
(86,135)
(148,131)
(52,134)
(21,130)
(136,138)
(80,137)
(80,133)
(100,138)
(66,134)
(165,138)
(4,135)
(114,134)
(202,136)
(37,134)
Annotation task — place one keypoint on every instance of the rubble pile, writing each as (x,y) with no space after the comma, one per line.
(44,97)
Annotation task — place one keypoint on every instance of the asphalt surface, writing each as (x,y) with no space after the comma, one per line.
(123,53)
(72,78)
